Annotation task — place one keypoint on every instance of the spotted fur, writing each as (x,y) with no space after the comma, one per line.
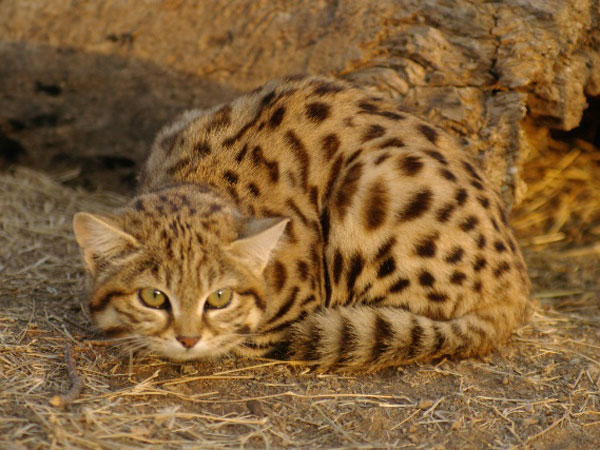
(354,236)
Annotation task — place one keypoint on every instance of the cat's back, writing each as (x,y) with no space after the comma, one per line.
(293,134)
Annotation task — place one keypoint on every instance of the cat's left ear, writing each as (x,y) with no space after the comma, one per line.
(100,238)
(257,239)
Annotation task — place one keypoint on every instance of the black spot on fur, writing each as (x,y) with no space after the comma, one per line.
(410,165)
(279,275)
(448,175)
(231,177)
(479,264)
(443,214)
(254,190)
(356,268)
(347,343)
(385,248)
(469,223)
(296,210)
(437,156)
(426,248)
(348,188)
(461,196)
(437,297)
(312,344)
(477,185)
(367,107)
(469,168)
(372,132)
(267,99)
(483,201)
(338,266)
(399,285)
(455,256)
(330,144)
(501,269)
(383,338)
(179,166)
(259,159)
(502,215)
(499,246)
(417,206)
(387,267)
(481,241)
(439,339)
(324,220)
(426,279)
(391,115)
(300,154)
(202,149)
(302,269)
(416,335)
(381,158)
(242,153)
(430,134)
(457,278)
(376,206)
(317,111)
(277,117)
(327,87)
(258,300)
(392,142)
(494,224)
(353,156)
(286,306)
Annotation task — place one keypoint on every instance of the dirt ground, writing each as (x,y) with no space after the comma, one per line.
(542,391)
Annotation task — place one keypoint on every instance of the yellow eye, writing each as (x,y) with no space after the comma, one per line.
(153,298)
(219,299)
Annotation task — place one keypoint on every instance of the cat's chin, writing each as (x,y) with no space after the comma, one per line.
(174,352)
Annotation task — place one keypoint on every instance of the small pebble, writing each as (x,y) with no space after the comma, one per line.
(255,407)
(188,369)
(425,404)
(530,421)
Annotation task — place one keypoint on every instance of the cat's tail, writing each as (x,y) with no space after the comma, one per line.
(366,338)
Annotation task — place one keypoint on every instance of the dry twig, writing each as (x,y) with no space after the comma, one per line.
(76,385)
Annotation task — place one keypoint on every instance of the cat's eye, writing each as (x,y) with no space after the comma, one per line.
(219,299)
(154,298)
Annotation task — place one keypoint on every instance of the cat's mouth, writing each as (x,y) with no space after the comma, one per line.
(174,350)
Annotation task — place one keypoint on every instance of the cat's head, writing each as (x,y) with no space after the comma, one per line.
(178,272)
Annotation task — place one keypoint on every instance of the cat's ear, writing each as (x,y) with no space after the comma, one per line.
(256,241)
(100,238)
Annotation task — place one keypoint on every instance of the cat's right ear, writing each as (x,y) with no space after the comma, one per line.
(257,239)
(100,238)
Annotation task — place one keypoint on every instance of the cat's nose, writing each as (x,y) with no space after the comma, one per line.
(188,341)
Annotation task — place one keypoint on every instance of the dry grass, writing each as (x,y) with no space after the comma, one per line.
(541,391)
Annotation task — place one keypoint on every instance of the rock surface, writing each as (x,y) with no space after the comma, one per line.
(89,83)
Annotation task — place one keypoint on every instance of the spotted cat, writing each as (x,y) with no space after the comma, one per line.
(308,221)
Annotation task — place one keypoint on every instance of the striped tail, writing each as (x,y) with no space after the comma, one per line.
(365,338)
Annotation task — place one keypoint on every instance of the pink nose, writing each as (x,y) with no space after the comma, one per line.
(188,341)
